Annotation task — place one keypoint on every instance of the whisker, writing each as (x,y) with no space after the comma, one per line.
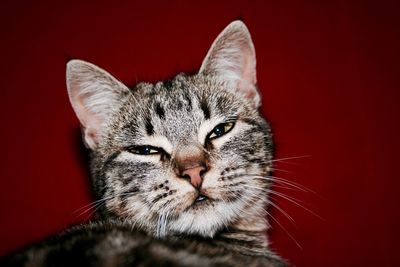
(282,211)
(273,192)
(288,198)
(275,185)
(91,203)
(284,229)
(279,224)
(94,208)
(289,158)
(294,184)
(290,218)
(281,170)
(276,179)
(95,205)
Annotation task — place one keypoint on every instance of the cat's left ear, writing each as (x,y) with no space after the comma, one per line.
(95,96)
(232,57)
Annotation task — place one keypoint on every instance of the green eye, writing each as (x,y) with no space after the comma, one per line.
(220,130)
(144,150)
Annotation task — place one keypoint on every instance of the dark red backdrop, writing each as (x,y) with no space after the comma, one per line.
(329,79)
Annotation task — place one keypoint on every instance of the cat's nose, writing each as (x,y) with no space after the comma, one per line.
(190,163)
(194,175)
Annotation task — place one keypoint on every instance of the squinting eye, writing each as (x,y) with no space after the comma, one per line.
(220,130)
(143,150)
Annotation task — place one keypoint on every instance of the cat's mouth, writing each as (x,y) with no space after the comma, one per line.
(200,201)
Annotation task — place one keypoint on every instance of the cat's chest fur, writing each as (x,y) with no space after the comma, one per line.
(180,168)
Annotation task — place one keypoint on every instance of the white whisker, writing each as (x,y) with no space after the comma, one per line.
(284,229)
(289,158)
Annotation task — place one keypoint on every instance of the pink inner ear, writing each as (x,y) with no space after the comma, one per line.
(87,117)
(91,137)
(245,68)
(249,68)
(91,123)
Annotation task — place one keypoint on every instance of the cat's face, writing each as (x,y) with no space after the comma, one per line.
(190,155)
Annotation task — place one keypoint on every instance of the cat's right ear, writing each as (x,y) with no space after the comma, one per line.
(95,95)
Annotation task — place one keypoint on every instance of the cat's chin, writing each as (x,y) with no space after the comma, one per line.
(204,218)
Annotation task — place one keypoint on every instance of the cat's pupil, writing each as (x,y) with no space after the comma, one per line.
(145,150)
(219,130)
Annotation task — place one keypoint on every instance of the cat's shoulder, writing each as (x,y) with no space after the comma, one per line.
(118,243)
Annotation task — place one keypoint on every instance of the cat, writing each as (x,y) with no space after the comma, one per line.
(180,168)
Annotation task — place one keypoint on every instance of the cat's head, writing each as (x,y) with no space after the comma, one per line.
(190,155)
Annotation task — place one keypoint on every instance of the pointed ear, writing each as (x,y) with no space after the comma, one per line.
(95,95)
(232,57)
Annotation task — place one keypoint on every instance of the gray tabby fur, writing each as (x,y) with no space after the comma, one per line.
(148,214)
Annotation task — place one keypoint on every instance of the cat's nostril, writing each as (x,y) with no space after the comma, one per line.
(194,175)
(186,177)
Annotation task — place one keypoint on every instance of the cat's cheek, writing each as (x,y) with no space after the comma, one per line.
(212,180)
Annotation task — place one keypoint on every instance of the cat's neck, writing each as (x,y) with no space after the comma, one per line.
(247,236)
(252,243)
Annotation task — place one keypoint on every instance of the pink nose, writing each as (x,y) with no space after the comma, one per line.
(194,175)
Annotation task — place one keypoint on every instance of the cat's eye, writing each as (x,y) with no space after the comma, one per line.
(220,130)
(144,150)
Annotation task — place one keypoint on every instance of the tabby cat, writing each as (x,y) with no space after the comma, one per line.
(180,168)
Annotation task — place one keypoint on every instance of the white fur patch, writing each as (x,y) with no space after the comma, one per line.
(206,222)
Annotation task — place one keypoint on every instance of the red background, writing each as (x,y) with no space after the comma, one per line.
(328,71)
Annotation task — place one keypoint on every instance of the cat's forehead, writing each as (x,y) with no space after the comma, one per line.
(178,107)
(182,93)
